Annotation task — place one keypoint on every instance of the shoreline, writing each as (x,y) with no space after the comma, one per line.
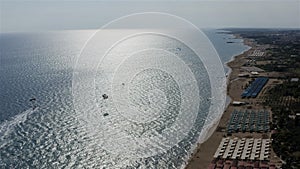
(203,154)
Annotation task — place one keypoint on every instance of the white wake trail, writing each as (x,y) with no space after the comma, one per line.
(7,127)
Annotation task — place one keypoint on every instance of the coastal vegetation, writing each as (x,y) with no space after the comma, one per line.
(274,54)
(284,100)
(282,54)
(282,57)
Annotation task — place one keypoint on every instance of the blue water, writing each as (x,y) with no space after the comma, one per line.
(226,51)
(40,65)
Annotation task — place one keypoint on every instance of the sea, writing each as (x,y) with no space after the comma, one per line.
(41,126)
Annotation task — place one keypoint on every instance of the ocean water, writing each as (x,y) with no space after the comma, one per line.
(56,135)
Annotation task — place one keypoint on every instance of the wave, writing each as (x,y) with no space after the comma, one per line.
(8,126)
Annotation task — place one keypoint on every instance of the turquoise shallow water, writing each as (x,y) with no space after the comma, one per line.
(40,65)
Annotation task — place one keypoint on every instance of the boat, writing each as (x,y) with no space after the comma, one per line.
(105,96)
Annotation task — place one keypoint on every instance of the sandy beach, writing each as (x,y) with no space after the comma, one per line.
(236,83)
(203,155)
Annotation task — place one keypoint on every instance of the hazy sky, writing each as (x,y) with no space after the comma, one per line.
(20,15)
